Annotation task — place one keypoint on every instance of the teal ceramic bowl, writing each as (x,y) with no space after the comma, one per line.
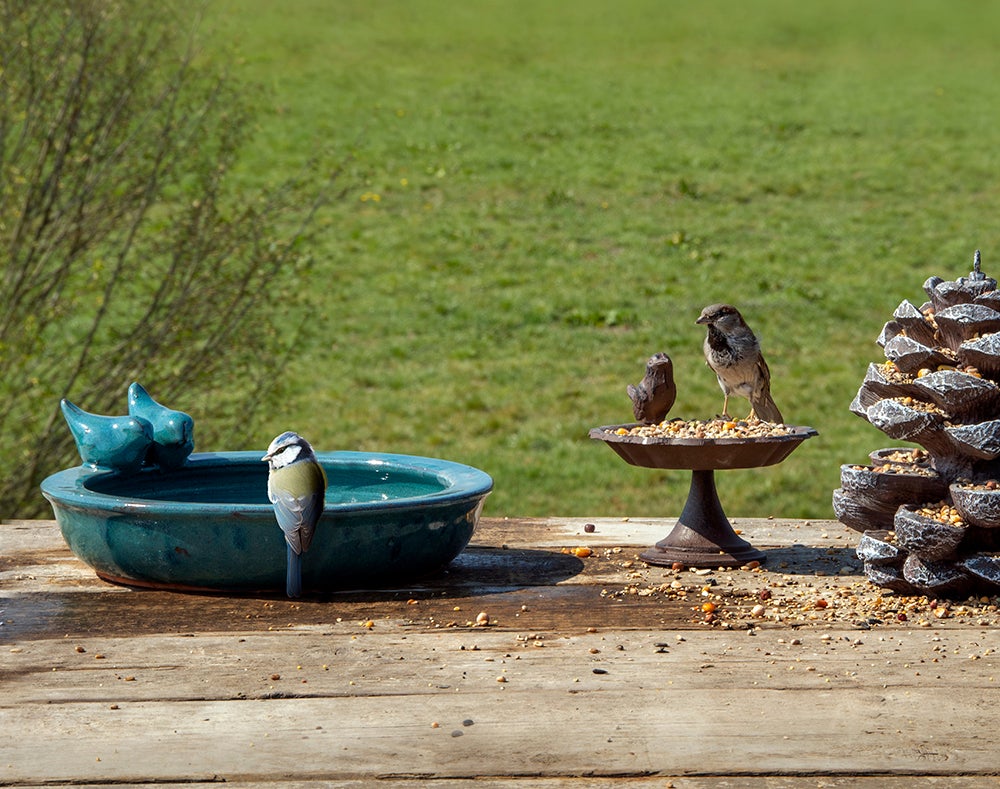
(209,525)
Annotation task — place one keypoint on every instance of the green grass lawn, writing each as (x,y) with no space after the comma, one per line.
(542,194)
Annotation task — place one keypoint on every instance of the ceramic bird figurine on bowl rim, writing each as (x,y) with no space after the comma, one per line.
(653,397)
(119,443)
(296,486)
(173,431)
(733,352)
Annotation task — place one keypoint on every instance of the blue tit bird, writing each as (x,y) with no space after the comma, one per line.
(173,431)
(296,486)
(112,442)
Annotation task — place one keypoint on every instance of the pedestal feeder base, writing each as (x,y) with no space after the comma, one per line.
(703,536)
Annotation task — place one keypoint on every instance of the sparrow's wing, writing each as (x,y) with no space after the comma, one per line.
(763,371)
(761,401)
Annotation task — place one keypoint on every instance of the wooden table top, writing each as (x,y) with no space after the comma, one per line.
(526,663)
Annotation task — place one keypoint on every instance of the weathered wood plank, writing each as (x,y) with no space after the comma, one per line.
(389,659)
(827,705)
(34,557)
(134,687)
(615,782)
(531,731)
(643,532)
(24,537)
(44,590)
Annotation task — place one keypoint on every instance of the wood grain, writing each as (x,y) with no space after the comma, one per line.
(142,687)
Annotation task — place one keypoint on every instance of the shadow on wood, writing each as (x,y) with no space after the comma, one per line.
(121,611)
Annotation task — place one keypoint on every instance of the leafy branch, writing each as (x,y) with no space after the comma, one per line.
(126,251)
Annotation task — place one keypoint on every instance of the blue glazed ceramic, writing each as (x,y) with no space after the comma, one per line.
(173,431)
(109,442)
(209,525)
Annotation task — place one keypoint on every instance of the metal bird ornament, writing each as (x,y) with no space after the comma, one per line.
(112,442)
(654,395)
(296,486)
(733,352)
(173,431)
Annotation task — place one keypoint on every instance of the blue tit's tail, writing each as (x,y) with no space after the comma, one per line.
(293,579)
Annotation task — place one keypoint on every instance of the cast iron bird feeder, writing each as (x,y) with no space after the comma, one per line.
(702,536)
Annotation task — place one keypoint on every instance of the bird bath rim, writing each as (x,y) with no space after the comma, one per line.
(81,486)
(185,534)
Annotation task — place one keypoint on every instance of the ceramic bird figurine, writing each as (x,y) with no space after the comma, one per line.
(733,352)
(654,395)
(296,486)
(111,442)
(173,431)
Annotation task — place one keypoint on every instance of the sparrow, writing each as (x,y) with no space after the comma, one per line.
(654,395)
(173,431)
(296,486)
(733,353)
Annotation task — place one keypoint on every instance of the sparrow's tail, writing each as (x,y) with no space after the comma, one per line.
(764,408)
(293,578)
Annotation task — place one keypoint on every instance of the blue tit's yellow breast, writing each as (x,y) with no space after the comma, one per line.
(299,479)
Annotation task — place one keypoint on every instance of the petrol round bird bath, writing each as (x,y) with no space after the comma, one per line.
(170,519)
(209,524)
